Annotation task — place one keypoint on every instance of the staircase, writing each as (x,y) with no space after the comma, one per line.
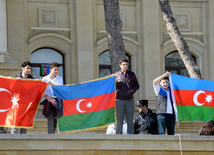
(182,128)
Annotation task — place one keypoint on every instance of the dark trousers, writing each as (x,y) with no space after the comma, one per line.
(16,130)
(125,107)
(51,122)
(166,121)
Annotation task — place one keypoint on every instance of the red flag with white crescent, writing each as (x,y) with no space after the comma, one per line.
(19,101)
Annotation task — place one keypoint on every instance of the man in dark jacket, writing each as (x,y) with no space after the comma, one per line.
(126,85)
(25,74)
(146,121)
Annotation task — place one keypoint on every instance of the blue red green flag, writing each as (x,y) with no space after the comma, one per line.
(45,70)
(193,98)
(87,105)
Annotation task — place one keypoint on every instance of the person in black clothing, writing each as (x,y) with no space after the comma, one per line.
(146,121)
(25,74)
(126,86)
(26,70)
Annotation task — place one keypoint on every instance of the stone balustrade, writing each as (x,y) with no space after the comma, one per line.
(94,144)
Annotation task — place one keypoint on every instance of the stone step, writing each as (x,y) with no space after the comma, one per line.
(184,128)
(95,144)
(39,112)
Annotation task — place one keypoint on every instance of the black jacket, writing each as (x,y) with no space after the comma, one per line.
(146,123)
(20,75)
(127,85)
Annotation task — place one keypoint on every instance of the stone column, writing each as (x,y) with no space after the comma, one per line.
(211,36)
(85,48)
(151,43)
(3,31)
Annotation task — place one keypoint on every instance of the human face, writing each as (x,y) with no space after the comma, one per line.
(164,83)
(26,70)
(54,71)
(124,66)
(142,108)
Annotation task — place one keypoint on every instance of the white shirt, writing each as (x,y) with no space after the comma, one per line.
(169,109)
(56,80)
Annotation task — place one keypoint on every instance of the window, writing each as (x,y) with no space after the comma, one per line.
(174,64)
(105,63)
(44,57)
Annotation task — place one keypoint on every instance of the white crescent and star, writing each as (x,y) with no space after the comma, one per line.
(195,98)
(14,100)
(89,104)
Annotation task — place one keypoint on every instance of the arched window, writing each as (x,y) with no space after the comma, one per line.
(105,63)
(45,56)
(174,64)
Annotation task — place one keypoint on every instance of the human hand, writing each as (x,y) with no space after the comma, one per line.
(49,99)
(167,74)
(19,78)
(50,83)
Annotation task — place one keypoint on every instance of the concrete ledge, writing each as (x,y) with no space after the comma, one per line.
(93,144)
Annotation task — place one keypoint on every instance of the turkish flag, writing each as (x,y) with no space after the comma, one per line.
(19,101)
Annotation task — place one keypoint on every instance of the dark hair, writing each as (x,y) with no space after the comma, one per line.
(165,78)
(53,64)
(207,128)
(142,102)
(123,60)
(146,104)
(26,63)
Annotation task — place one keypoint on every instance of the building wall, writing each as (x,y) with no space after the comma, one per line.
(76,28)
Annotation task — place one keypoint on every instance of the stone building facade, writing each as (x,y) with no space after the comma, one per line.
(72,32)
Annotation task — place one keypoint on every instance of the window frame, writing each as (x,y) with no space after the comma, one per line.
(63,61)
(178,69)
(109,66)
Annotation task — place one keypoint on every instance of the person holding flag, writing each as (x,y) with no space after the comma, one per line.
(164,104)
(51,79)
(25,74)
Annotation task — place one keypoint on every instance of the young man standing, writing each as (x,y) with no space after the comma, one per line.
(25,74)
(146,121)
(126,86)
(165,110)
(51,79)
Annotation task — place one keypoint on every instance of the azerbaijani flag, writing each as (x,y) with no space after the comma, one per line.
(193,97)
(87,105)
(45,70)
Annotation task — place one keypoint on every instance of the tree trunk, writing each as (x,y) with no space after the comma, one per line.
(178,40)
(113,28)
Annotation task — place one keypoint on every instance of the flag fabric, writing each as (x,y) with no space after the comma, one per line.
(45,70)
(19,101)
(87,105)
(193,98)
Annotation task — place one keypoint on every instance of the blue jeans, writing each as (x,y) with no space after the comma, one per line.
(166,121)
